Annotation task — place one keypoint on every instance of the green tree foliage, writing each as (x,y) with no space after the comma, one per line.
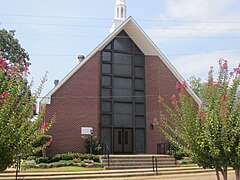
(11,50)
(197,86)
(19,129)
(209,132)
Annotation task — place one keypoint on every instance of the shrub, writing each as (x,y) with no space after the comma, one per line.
(184,162)
(96,147)
(97,164)
(180,154)
(42,140)
(83,164)
(32,158)
(58,157)
(42,160)
(42,165)
(55,158)
(28,164)
(77,160)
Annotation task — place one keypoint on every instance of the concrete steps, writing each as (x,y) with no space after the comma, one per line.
(137,161)
(103,174)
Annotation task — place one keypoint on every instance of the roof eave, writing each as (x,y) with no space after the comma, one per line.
(140,38)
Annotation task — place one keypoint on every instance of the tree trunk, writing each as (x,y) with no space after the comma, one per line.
(224,173)
(237,173)
(217,173)
(44,153)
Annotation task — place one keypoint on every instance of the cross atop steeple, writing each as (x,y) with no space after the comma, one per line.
(120,14)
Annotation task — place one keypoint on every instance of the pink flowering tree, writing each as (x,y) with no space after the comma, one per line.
(19,128)
(209,132)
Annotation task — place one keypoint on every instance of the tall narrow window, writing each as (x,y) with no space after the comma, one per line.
(118,12)
(123,114)
(121,12)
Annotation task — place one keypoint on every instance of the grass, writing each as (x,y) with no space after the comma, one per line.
(62,169)
(189,165)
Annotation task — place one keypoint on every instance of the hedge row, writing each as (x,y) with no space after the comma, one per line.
(30,164)
(59,157)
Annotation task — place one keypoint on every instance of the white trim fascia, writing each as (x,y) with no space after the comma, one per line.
(168,64)
(153,51)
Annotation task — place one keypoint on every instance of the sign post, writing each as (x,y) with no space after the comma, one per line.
(88,131)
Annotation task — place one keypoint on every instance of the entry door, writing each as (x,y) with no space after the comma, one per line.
(123,141)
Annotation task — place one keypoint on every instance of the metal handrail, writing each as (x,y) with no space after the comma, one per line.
(107,153)
(155,164)
(166,148)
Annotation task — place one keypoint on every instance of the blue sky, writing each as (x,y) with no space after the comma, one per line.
(193,34)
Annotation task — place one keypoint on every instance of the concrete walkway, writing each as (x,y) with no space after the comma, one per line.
(179,173)
(194,176)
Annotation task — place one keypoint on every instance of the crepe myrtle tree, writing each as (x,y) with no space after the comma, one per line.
(209,132)
(19,128)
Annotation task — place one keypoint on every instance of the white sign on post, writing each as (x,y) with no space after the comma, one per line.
(86,130)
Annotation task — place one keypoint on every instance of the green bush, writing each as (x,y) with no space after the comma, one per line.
(59,160)
(42,140)
(32,158)
(184,162)
(28,164)
(58,157)
(97,164)
(83,164)
(55,158)
(96,147)
(61,163)
(42,165)
(42,160)
(180,154)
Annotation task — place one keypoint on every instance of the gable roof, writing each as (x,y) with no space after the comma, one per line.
(141,39)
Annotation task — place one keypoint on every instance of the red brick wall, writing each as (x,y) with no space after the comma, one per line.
(159,81)
(76,104)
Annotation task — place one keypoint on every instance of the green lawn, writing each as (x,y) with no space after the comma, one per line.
(61,169)
(189,165)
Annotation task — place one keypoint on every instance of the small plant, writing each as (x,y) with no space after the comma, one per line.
(77,160)
(88,161)
(42,160)
(83,164)
(92,143)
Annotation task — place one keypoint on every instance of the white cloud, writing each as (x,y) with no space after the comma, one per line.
(195,9)
(197,18)
(199,64)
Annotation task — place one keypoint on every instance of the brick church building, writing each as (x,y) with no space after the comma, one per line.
(114,90)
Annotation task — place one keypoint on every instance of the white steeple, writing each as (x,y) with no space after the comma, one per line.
(120,14)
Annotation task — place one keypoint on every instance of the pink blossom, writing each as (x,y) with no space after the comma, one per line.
(223,99)
(184,84)
(237,70)
(201,115)
(231,73)
(160,99)
(178,86)
(44,126)
(26,68)
(224,65)
(215,84)
(5,95)
(2,64)
(174,97)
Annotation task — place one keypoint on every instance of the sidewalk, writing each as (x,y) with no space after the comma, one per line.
(193,176)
